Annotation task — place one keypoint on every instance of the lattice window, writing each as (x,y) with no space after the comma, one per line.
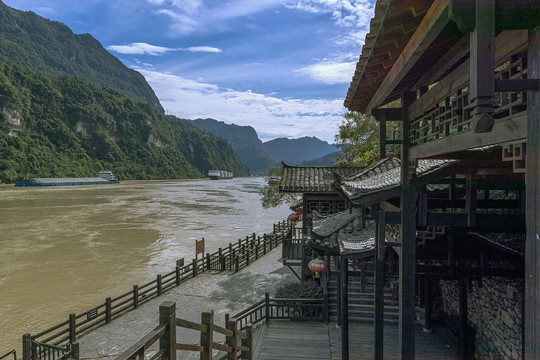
(326,207)
(453,114)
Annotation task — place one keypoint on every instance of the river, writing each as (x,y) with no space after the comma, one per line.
(64,250)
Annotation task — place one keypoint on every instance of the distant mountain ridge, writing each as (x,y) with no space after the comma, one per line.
(243,140)
(294,151)
(51,48)
(261,157)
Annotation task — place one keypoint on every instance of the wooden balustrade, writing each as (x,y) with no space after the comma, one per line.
(9,354)
(166,334)
(229,258)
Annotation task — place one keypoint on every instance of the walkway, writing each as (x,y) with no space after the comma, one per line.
(308,340)
(224,292)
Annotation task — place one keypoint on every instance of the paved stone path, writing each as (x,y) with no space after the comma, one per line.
(224,292)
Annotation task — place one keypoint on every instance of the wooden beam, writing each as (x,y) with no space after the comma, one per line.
(430,27)
(445,63)
(532,176)
(516,85)
(509,129)
(389,114)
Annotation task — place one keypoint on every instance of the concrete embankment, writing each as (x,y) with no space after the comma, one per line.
(223,292)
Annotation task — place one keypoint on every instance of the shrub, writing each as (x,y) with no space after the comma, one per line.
(300,290)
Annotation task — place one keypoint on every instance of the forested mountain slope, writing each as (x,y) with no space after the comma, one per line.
(67,126)
(51,48)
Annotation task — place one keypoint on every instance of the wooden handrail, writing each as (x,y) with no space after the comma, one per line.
(12,352)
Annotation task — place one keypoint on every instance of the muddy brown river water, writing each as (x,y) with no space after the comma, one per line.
(64,250)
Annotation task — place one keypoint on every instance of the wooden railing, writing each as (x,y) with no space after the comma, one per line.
(292,309)
(9,354)
(165,332)
(446,109)
(293,245)
(34,350)
(234,257)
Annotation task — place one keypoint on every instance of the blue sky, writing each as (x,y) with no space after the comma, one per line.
(281,66)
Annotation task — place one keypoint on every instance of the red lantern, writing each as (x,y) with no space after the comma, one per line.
(317,265)
(293,218)
(299,212)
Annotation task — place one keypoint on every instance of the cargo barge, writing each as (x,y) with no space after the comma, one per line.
(104,177)
(219,174)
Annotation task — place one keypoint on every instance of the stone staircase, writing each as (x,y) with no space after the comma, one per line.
(361,303)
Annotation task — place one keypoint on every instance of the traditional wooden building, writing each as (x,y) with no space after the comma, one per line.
(467,77)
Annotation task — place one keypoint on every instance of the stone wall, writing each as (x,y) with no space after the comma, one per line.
(495,312)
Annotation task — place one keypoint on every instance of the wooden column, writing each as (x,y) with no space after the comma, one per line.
(407,261)
(463,319)
(532,180)
(382,135)
(482,66)
(338,284)
(429,306)
(344,309)
(379,284)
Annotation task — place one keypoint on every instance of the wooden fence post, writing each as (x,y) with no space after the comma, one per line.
(237,264)
(267,307)
(274,228)
(194,267)
(207,337)
(232,259)
(74,351)
(247,257)
(167,316)
(256,251)
(108,310)
(208,261)
(232,341)
(72,328)
(135,296)
(177,275)
(248,342)
(159,285)
(27,347)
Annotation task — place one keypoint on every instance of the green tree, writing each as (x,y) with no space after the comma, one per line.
(270,195)
(358,139)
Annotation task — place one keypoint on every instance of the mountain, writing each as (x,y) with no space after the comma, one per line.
(326,160)
(66,126)
(244,141)
(51,48)
(294,151)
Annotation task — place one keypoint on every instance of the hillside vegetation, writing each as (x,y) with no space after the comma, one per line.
(51,48)
(67,126)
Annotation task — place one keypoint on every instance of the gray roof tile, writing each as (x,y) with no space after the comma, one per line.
(301,179)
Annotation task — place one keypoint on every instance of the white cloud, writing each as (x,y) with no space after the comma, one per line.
(270,116)
(147,49)
(139,49)
(351,14)
(330,73)
(202,49)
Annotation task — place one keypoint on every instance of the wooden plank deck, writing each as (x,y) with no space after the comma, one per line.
(314,340)
(295,340)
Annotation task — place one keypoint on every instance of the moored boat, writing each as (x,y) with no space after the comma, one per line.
(219,174)
(104,177)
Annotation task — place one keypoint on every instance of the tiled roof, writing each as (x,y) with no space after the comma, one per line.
(384,175)
(343,231)
(301,179)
